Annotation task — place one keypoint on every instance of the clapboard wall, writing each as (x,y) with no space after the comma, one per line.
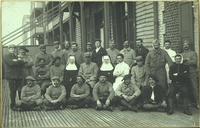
(145,22)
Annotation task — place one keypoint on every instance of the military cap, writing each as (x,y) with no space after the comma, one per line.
(153,77)
(139,58)
(11,46)
(98,40)
(56,42)
(87,55)
(127,76)
(55,78)
(42,46)
(30,78)
(89,43)
(24,48)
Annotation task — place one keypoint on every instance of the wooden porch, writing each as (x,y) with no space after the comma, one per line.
(92,118)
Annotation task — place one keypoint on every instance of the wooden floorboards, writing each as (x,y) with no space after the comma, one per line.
(92,118)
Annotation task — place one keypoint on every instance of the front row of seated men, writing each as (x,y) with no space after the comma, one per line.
(127,95)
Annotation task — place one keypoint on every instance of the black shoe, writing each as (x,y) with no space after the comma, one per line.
(98,108)
(109,108)
(170,112)
(74,107)
(49,108)
(15,108)
(187,112)
(123,109)
(133,109)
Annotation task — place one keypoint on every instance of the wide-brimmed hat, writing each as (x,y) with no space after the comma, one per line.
(30,78)
(56,42)
(24,48)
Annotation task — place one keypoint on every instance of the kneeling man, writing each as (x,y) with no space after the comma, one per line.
(30,95)
(153,95)
(80,94)
(127,94)
(55,95)
(103,93)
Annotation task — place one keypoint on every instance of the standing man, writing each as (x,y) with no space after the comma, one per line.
(155,64)
(112,52)
(67,49)
(98,53)
(141,50)
(190,59)
(171,53)
(43,55)
(58,52)
(13,69)
(129,54)
(79,55)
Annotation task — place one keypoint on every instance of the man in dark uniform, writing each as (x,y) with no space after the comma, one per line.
(179,74)
(98,53)
(13,69)
(141,50)
(153,95)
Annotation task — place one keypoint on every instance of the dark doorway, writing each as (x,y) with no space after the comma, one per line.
(186,23)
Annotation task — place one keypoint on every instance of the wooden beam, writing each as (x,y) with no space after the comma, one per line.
(107,23)
(61,23)
(83,39)
(71,21)
(155,9)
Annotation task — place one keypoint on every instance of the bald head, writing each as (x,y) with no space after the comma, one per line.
(156,44)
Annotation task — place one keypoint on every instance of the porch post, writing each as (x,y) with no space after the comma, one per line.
(107,23)
(61,23)
(83,39)
(71,21)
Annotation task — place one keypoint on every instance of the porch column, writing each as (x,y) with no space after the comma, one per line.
(71,21)
(83,39)
(61,23)
(155,9)
(107,23)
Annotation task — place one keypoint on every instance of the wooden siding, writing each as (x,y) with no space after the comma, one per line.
(145,22)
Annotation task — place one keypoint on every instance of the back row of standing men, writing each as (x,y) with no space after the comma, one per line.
(117,64)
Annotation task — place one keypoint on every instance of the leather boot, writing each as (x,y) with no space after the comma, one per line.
(171,102)
(186,108)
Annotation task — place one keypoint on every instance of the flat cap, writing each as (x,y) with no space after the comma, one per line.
(11,46)
(24,48)
(42,46)
(103,74)
(89,43)
(98,40)
(127,76)
(139,58)
(56,42)
(88,55)
(55,78)
(30,78)
(153,77)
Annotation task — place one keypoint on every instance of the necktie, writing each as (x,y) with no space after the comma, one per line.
(152,94)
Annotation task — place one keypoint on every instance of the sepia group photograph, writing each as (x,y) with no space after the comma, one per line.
(99,63)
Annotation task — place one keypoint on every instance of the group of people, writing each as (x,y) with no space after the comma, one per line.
(102,77)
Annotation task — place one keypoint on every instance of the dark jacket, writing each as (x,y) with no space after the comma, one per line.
(97,56)
(158,92)
(182,71)
(143,52)
(13,69)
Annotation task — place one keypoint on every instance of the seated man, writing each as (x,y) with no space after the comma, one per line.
(103,93)
(179,74)
(55,95)
(89,71)
(153,95)
(127,94)
(42,75)
(80,94)
(30,96)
